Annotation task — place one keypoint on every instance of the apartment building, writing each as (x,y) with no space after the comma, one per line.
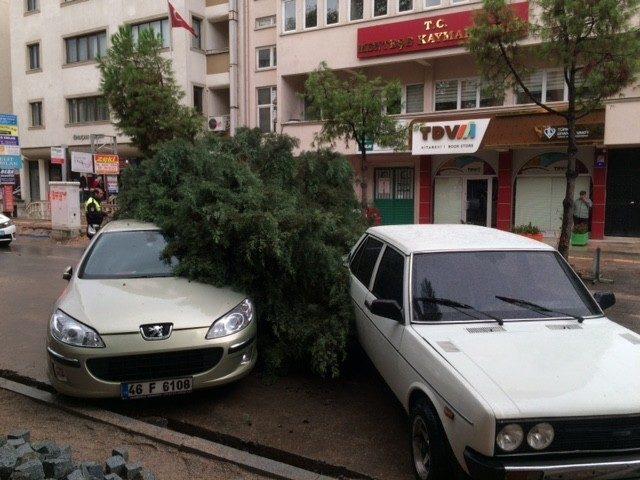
(5,60)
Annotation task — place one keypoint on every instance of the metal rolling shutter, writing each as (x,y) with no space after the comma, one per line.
(447,200)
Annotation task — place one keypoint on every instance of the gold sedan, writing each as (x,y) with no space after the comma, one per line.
(127,327)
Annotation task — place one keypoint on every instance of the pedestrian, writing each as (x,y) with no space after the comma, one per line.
(581,208)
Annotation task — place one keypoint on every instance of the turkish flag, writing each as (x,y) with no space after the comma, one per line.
(178,22)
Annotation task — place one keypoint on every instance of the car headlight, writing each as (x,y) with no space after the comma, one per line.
(540,436)
(5,224)
(510,437)
(68,330)
(234,321)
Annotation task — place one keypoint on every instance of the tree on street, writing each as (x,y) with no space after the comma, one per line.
(593,43)
(356,109)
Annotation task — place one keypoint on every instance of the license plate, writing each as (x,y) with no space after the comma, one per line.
(157,388)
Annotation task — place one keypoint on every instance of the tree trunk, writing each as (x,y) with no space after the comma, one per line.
(363,181)
(567,204)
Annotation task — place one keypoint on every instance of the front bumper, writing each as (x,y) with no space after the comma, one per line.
(567,467)
(70,375)
(7,234)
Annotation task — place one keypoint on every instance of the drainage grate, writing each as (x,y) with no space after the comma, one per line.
(485,329)
(568,326)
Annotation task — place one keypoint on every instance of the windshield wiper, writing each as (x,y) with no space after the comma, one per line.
(537,308)
(461,307)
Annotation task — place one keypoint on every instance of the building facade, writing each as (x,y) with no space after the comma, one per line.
(5,60)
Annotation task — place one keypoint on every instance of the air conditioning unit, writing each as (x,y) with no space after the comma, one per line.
(219,124)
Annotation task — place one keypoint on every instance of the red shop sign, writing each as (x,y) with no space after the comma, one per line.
(429,33)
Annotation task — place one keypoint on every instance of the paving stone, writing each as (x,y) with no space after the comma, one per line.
(8,461)
(122,452)
(115,464)
(27,457)
(22,450)
(92,470)
(22,433)
(15,442)
(131,469)
(57,467)
(31,470)
(76,475)
(144,474)
(46,448)
(112,476)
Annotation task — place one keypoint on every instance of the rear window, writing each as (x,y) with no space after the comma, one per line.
(390,277)
(135,254)
(365,260)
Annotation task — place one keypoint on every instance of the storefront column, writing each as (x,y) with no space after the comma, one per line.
(599,194)
(505,190)
(43,176)
(425,208)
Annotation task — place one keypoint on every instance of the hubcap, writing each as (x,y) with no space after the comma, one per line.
(421,448)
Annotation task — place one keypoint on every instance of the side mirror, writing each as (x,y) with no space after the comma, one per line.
(605,299)
(386,309)
(68,273)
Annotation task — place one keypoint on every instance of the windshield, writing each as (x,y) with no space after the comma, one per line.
(475,278)
(135,254)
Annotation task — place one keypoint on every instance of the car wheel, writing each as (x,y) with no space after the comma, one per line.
(431,460)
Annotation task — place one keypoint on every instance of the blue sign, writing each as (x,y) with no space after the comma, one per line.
(10,162)
(9,120)
(8,140)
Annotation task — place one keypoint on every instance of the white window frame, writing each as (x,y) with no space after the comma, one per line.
(349,13)
(272,106)
(200,37)
(273,23)
(413,7)
(431,7)
(273,59)
(284,16)
(459,94)
(543,96)
(404,98)
(304,15)
(373,10)
(326,13)
(37,45)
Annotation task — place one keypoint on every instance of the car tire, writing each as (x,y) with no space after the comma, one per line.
(430,449)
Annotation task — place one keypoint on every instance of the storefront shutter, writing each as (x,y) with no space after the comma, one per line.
(533,202)
(448,200)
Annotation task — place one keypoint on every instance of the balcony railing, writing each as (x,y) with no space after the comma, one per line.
(217,62)
(213,3)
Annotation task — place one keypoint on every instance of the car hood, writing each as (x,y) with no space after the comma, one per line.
(4,218)
(121,306)
(546,368)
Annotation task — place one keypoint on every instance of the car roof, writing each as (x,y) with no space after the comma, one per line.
(452,238)
(127,225)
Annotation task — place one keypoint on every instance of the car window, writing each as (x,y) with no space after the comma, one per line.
(365,260)
(135,254)
(475,278)
(388,284)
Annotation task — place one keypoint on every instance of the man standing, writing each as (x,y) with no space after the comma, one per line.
(581,208)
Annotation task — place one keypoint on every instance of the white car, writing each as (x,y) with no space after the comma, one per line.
(7,230)
(503,359)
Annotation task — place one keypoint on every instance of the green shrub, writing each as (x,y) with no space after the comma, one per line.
(245,212)
(527,229)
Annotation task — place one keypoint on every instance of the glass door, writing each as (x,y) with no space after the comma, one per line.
(477,202)
(394,195)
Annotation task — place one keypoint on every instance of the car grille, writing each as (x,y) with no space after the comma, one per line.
(154,366)
(588,434)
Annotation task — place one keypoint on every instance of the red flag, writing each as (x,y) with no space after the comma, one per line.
(178,22)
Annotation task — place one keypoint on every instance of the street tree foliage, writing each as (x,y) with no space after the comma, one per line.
(244,212)
(593,42)
(355,108)
(139,85)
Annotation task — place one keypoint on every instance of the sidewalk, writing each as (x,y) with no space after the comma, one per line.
(610,245)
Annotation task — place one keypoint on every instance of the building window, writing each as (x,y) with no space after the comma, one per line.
(356,9)
(394,108)
(534,84)
(87,110)
(196,41)
(310,13)
(379,8)
(35,112)
(415,98)
(432,3)
(462,94)
(545,86)
(32,5)
(266,109)
(289,7)
(86,47)
(310,114)
(160,27)
(265,22)
(33,52)
(198,99)
(266,57)
(333,11)
(405,5)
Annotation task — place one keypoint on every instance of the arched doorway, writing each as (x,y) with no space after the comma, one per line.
(465,191)
(540,189)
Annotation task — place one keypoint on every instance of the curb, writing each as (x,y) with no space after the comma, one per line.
(180,441)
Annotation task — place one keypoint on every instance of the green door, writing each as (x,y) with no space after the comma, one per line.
(393,195)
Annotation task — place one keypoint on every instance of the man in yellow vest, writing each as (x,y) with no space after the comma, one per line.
(93,211)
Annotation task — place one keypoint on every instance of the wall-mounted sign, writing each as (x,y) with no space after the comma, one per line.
(112,184)
(452,137)
(559,133)
(58,155)
(9,140)
(428,33)
(11,162)
(106,164)
(9,150)
(10,158)
(7,177)
(81,162)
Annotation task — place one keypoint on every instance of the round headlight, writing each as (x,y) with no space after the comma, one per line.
(540,436)
(510,437)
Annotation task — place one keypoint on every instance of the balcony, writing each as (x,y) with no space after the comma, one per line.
(217,69)
(217,10)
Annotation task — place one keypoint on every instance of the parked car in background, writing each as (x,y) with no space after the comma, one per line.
(7,230)
(504,361)
(127,327)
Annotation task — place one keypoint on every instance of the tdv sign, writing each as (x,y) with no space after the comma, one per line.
(457,136)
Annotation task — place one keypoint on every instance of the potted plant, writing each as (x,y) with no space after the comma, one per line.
(529,231)
(580,235)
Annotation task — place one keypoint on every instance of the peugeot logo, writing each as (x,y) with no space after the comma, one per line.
(156,331)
